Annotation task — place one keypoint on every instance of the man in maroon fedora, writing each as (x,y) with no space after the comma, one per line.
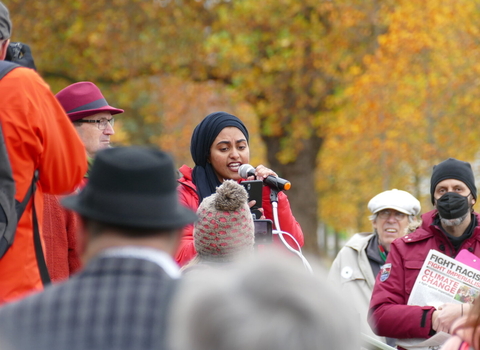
(38,137)
(93,119)
(90,113)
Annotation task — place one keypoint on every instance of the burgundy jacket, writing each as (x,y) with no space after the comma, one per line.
(188,196)
(60,227)
(389,314)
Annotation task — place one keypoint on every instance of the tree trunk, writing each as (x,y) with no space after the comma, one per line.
(303,195)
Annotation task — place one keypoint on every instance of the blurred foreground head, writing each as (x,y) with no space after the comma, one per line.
(5,23)
(270,303)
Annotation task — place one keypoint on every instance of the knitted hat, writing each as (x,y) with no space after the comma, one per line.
(225,225)
(453,169)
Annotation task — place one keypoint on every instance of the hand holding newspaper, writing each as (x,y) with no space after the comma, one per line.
(442,280)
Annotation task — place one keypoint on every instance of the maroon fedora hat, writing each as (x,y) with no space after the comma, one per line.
(83,99)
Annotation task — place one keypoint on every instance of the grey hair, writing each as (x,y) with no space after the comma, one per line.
(271,303)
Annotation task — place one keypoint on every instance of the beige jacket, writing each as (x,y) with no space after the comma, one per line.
(352,273)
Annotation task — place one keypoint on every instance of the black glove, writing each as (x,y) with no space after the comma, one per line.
(21,54)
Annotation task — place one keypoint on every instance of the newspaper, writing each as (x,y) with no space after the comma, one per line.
(441,280)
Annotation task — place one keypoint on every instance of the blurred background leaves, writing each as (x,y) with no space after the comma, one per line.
(344,98)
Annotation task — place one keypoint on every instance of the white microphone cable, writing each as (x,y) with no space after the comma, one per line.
(280,234)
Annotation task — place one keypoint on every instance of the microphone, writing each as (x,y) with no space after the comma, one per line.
(276,183)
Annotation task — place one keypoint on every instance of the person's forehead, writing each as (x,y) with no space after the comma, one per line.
(450,183)
(229,134)
(99,115)
(230,130)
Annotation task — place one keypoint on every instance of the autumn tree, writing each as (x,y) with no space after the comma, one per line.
(286,58)
(416,104)
(128,48)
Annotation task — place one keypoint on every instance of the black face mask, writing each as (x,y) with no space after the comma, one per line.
(452,205)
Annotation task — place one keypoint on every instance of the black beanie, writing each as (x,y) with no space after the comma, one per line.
(453,169)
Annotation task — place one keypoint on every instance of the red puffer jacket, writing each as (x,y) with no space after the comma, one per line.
(188,196)
(389,313)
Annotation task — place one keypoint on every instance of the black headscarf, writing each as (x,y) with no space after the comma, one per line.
(205,133)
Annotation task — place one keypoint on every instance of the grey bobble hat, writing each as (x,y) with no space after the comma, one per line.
(5,23)
(225,228)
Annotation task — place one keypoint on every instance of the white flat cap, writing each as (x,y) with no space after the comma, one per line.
(398,200)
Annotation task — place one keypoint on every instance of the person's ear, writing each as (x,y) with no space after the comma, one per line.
(3,49)
(374,224)
(83,238)
(175,240)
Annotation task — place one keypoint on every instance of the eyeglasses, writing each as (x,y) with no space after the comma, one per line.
(101,123)
(385,214)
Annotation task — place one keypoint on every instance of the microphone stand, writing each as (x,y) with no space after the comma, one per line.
(274,201)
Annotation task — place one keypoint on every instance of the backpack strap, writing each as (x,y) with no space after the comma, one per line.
(20,207)
(42,265)
(37,242)
(6,67)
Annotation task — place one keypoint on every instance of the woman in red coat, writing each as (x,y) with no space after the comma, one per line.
(219,147)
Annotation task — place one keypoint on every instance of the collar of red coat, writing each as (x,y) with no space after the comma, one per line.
(186,171)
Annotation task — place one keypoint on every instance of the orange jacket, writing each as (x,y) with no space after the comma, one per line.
(38,135)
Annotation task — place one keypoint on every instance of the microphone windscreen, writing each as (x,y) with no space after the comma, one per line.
(246,170)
